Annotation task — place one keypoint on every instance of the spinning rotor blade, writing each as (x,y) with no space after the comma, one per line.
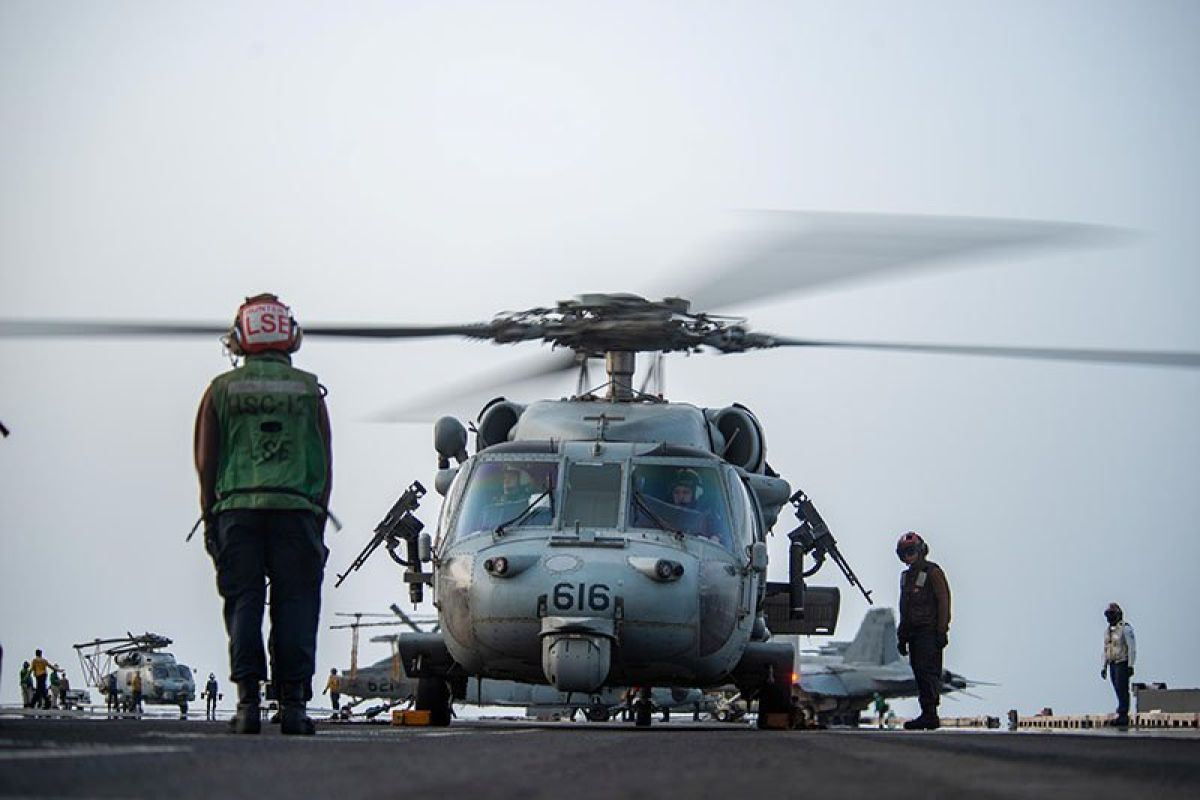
(1159,358)
(493,384)
(803,250)
(11,327)
(39,328)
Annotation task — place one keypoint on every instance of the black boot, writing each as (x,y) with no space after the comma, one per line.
(294,720)
(928,721)
(248,718)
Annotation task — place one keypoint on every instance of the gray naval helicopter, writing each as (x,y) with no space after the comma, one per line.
(614,540)
(614,537)
(164,680)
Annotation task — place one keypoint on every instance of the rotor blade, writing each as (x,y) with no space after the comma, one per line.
(802,250)
(495,383)
(55,328)
(1158,358)
(33,327)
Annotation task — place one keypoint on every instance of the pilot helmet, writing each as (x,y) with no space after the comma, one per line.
(689,479)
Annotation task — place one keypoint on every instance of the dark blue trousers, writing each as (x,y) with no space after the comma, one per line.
(1118,673)
(925,656)
(286,548)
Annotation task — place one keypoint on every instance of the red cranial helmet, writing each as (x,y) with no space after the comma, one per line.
(911,543)
(263,323)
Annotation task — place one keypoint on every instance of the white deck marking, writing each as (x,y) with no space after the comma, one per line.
(86,751)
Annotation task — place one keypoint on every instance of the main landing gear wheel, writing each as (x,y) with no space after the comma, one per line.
(773,699)
(433,695)
(643,710)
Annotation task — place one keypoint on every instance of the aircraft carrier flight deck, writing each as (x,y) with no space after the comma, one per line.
(155,757)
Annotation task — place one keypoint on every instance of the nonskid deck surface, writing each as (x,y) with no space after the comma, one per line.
(508,758)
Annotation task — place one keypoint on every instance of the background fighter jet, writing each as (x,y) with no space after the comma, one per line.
(839,680)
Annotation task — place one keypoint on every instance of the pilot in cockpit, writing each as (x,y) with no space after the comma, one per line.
(513,489)
(684,490)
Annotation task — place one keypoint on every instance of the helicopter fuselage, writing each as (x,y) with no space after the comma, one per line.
(570,554)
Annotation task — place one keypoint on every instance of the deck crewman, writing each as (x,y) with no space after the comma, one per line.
(264,458)
(924,625)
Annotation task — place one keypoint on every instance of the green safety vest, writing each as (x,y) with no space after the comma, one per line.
(272,455)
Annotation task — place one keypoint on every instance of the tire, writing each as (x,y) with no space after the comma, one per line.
(433,695)
(773,699)
(723,715)
(643,715)
(597,714)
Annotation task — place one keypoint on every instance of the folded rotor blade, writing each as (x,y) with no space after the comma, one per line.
(1159,358)
(802,250)
(65,328)
(475,392)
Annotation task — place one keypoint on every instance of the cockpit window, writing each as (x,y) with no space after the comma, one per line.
(513,494)
(159,672)
(686,499)
(593,495)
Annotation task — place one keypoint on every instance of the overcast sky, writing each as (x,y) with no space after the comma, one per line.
(441,161)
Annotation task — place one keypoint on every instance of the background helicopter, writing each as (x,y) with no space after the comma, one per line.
(164,680)
(416,166)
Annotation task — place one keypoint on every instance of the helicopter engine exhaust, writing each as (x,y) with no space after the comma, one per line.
(496,421)
(737,437)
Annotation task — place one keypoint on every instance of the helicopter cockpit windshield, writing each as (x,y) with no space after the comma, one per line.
(508,494)
(684,499)
(689,499)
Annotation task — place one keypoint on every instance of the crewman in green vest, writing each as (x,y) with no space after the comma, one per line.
(264,458)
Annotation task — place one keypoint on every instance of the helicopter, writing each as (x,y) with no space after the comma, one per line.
(164,680)
(614,537)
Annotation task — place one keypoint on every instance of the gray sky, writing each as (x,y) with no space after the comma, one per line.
(429,162)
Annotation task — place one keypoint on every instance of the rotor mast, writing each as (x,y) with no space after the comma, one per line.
(620,365)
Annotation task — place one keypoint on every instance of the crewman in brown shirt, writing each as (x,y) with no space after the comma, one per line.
(924,625)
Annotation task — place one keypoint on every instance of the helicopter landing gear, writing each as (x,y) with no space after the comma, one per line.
(433,695)
(666,715)
(774,702)
(183,709)
(643,709)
